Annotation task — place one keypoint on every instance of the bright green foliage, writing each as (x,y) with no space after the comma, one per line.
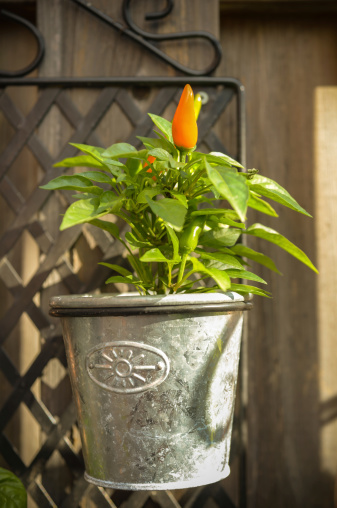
(12,491)
(177,235)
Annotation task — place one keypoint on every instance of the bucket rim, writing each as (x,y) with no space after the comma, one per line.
(107,300)
(135,304)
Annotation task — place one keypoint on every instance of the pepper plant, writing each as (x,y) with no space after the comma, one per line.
(167,194)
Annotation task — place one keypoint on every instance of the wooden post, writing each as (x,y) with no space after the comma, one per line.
(290,342)
(326,234)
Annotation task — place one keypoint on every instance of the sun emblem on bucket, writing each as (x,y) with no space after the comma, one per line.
(127,367)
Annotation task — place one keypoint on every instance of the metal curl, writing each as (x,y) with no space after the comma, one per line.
(143,37)
(160,15)
(40,42)
(175,36)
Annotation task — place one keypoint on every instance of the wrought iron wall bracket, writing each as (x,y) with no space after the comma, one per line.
(143,38)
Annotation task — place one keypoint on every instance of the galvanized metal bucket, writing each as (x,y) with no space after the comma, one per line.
(154,381)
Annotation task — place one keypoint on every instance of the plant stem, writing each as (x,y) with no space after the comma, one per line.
(169,278)
(187,276)
(181,271)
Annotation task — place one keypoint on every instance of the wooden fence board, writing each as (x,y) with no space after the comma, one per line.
(325,212)
(281,60)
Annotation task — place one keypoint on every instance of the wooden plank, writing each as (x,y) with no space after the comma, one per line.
(281,74)
(326,234)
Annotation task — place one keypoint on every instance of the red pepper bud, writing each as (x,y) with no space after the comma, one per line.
(184,124)
(150,159)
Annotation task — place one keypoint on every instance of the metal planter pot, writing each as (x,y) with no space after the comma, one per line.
(154,380)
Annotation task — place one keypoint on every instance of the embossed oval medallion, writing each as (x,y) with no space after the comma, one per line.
(127,367)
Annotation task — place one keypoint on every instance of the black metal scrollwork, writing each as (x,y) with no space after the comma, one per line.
(143,38)
(133,31)
(162,14)
(40,42)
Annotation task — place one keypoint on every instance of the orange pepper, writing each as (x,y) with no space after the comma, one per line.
(184,124)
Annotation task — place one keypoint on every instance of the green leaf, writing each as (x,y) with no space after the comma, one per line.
(80,161)
(80,212)
(226,158)
(154,256)
(96,176)
(180,197)
(84,195)
(114,162)
(12,491)
(230,222)
(71,182)
(140,269)
(208,211)
(220,237)
(149,192)
(95,151)
(175,243)
(258,257)
(117,150)
(273,236)
(140,154)
(160,154)
(134,166)
(159,143)
(260,205)
(159,166)
(232,186)
(134,242)
(170,210)
(273,190)
(126,280)
(218,158)
(163,125)
(244,274)
(117,268)
(122,177)
(244,289)
(220,276)
(110,203)
(115,169)
(227,260)
(110,227)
